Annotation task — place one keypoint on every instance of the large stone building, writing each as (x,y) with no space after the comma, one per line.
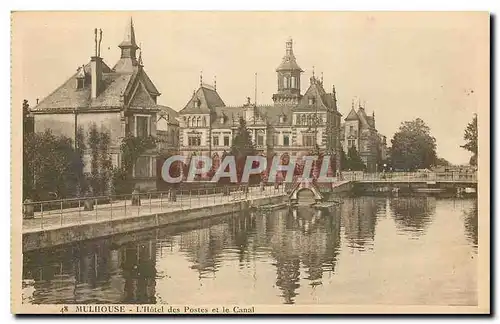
(120,100)
(294,125)
(359,131)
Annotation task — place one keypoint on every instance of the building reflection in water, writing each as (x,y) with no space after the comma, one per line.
(203,248)
(413,214)
(307,237)
(359,219)
(301,245)
(93,273)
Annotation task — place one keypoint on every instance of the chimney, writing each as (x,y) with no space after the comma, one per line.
(96,75)
(96,67)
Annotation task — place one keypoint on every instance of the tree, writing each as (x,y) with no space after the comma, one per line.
(413,147)
(242,142)
(470,137)
(242,147)
(354,161)
(100,164)
(442,162)
(53,168)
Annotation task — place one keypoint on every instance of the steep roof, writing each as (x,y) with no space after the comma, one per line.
(289,62)
(208,99)
(323,100)
(273,113)
(127,84)
(352,115)
(363,117)
(371,121)
(167,111)
(114,88)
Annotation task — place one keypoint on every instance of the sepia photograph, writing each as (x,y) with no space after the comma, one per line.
(244,162)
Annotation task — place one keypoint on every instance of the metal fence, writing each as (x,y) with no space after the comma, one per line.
(66,212)
(470,177)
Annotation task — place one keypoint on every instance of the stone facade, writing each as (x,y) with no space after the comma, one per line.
(359,130)
(120,100)
(294,125)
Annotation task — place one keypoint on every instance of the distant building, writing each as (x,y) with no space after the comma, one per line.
(294,125)
(121,100)
(359,130)
(167,130)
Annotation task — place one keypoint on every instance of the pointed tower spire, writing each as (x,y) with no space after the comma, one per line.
(334,92)
(201,78)
(288,73)
(215,82)
(128,45)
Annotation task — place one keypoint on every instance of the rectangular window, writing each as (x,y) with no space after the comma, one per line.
(275,140)
(142,126)
(286,140)
(351,143)
(226,140)
(308,140)
(351,129)
(216,140)
(142,167)
(194,140)
(260,139)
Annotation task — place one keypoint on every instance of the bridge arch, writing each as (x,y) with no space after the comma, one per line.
(305,192)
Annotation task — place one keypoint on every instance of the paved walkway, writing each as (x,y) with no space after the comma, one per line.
(123,209)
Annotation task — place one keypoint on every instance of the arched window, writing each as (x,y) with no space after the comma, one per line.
(293,82)
(193,121)
(198,122)
(204,121)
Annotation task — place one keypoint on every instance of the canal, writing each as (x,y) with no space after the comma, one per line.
(368,250)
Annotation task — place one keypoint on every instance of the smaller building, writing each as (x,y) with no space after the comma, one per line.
(359,131)
(167,130)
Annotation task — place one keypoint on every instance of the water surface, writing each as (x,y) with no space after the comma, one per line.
(369,250)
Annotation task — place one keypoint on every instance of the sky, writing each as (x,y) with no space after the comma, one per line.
(433,66)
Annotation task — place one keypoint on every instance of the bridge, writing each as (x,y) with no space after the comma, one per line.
(305,191)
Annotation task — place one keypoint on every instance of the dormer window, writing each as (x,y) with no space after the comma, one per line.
(222,119)
(80,83)
(197,103)
(282,118)
(312,100)
(80,78)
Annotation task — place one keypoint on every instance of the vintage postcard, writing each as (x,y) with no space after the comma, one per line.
(176,162)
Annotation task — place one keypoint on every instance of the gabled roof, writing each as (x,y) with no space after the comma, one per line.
(167,111)
(371,121)
(363,117)
(126,84)
(323,100)
(208,99)
(352,115)
(114,88)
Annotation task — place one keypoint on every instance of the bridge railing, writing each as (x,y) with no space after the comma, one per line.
(74,211)
(412,176)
